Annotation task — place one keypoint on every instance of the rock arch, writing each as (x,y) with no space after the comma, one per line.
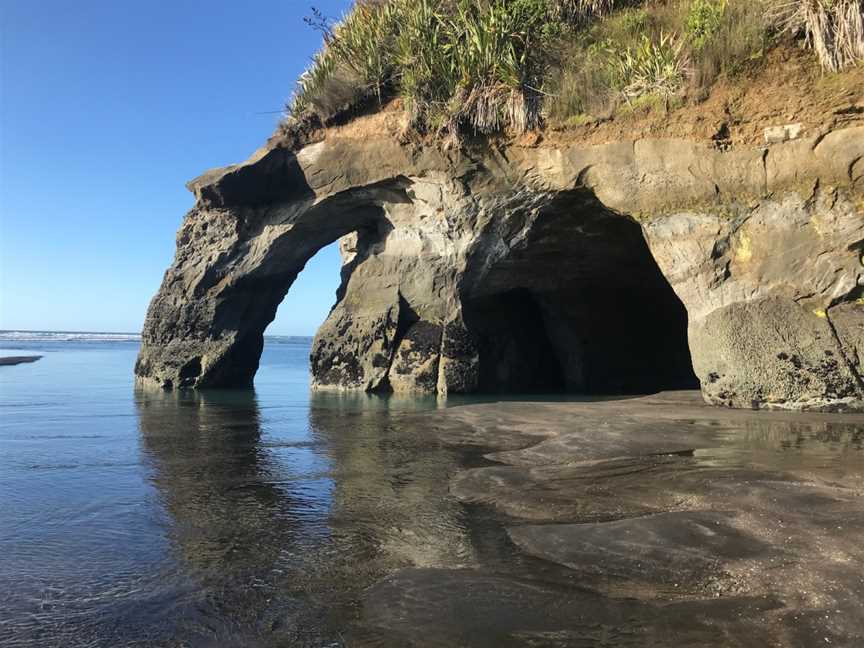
(580,268)
(238,253)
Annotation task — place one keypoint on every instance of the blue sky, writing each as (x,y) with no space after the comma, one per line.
(106,109)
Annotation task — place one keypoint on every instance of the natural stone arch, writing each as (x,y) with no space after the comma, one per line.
(222,337)
(435,229)
(238,253)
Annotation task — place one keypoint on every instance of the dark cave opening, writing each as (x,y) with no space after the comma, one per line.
(515,352)
(580,307)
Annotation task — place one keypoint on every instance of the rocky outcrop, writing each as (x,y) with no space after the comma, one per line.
(762,286)
(623,267)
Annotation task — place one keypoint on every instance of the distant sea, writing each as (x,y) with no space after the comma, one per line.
(36,337)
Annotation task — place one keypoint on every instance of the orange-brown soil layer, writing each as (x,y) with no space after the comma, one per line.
(786,87)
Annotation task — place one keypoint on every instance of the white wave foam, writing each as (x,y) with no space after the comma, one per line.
(66,336)
(288,339)
(80,336)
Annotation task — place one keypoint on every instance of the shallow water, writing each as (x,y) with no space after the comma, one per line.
(247,517)
(252,518)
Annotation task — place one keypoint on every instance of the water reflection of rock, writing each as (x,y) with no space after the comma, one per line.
(280,527)
(391,497)
(239,525)
(203,449)
(639,522)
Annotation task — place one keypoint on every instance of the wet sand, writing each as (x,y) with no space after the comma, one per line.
(653,521)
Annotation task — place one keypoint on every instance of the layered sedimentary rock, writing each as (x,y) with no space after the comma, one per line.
(622,267)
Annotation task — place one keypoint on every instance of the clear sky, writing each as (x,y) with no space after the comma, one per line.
(107,108)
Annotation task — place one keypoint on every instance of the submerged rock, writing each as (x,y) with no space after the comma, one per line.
(678,549)
(16,360)
(621,267)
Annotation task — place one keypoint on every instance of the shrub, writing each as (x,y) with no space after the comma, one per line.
(704,20)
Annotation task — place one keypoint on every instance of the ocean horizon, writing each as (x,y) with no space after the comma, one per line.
(26,335)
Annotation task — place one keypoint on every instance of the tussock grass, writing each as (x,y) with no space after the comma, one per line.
(624,58)
(656,53)
(476,65)
(834,29)
(485,66)
(577,11)
(352,65)
(472,64)
(741,36)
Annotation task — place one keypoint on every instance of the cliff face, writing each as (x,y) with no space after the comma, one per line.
(628,266)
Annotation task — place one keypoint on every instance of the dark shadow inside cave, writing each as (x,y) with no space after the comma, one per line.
(581,307)
(516,354)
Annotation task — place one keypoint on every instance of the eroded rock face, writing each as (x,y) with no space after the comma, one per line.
(762,286)
(623,267)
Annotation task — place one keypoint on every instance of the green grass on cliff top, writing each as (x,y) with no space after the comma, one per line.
(485,66)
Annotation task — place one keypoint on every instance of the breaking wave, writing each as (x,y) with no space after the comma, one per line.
(80,336)
(66,336)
